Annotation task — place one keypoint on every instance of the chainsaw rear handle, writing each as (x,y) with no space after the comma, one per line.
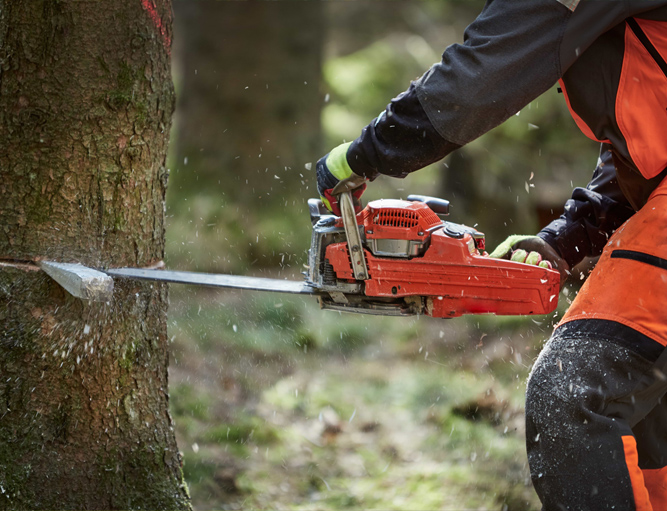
(438,206)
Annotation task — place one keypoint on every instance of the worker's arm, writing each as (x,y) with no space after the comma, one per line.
(513,52)
(590,216)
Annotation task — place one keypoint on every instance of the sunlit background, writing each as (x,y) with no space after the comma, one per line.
(278,405)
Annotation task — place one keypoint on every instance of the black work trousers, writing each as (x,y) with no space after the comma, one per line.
(596,419)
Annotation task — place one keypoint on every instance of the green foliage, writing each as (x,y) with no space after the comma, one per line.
(362,83)
(196,469)
(244,429)
(185,401)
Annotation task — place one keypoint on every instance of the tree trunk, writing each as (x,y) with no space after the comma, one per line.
(85,109)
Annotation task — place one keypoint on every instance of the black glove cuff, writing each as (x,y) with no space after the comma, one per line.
(325,179)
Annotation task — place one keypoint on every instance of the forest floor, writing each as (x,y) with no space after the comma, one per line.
(279,405)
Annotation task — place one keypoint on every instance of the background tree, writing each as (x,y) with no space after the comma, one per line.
(248,120)
(85,109)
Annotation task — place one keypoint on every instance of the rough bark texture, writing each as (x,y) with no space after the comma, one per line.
(85,110)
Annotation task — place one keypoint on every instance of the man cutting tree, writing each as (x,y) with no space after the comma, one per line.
(595,417)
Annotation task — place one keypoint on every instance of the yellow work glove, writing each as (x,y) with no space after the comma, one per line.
(334,172)
(532,250)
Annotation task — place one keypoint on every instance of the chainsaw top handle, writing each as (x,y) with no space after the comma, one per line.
(348,184)
(354,245)
(344,190)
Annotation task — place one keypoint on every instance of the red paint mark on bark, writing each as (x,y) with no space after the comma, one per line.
(151,9)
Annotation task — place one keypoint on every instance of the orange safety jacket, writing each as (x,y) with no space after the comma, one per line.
(625,104)
(629,282)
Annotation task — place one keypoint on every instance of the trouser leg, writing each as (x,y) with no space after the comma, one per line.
(581,404)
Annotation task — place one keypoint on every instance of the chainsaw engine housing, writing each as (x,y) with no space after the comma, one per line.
(420,264)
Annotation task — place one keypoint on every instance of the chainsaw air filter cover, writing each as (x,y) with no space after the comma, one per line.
(396,228)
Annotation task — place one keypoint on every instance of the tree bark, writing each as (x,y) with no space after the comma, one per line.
(85,109)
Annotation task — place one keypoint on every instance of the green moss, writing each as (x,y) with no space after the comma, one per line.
(16,490)
(186,487)
(129,356)
(125,77)
(19,439)
(119,222)
(38,210)
(142,465)
(117,100)
(126,93)
(141,113)
(126,363)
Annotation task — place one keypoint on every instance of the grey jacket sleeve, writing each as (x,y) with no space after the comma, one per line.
(510,55)
(513,52)
(591,215)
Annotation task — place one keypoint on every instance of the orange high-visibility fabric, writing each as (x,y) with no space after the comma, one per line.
(641,100)
(655,481)
(631,292)
(642,502)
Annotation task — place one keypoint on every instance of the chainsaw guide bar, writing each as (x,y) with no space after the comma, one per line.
(216,280)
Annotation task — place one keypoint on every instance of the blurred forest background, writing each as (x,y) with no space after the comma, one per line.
(279,405)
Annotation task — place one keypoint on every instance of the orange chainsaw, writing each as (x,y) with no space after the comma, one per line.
(397,257)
